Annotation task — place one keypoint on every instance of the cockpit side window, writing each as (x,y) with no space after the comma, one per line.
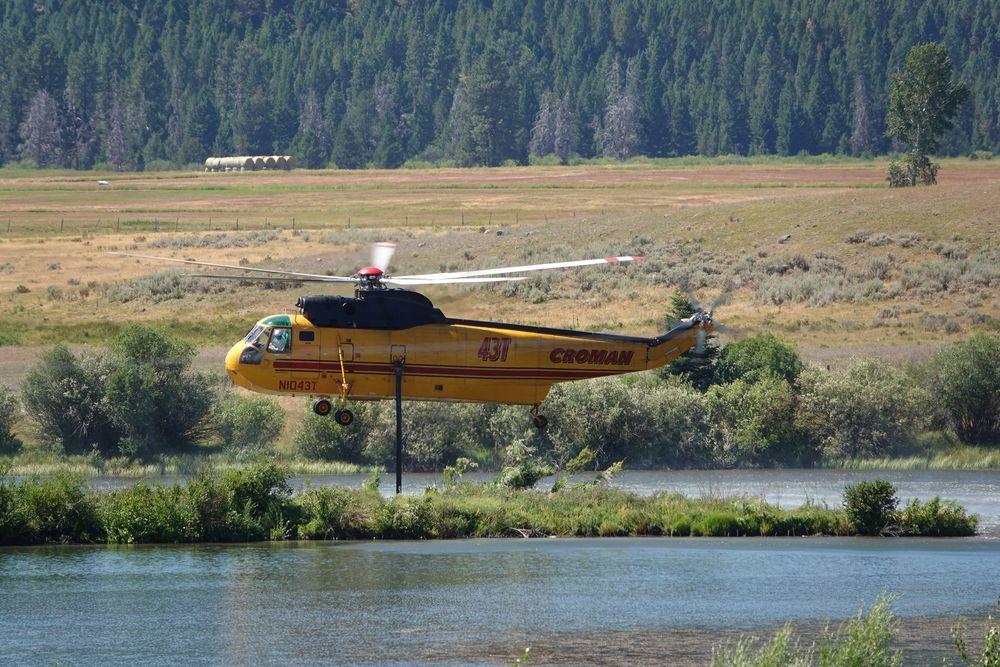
(254,333)
(281,340)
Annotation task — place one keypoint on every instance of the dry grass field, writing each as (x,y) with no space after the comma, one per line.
(866,271)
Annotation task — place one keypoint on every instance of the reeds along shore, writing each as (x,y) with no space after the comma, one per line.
(256,504)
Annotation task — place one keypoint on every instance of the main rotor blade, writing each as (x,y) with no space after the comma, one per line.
(693,300)
(527,267)
(450,281)
(320,278)
(269,279)
(382,254)
(720,300)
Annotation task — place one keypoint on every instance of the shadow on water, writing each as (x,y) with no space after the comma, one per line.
(573,600)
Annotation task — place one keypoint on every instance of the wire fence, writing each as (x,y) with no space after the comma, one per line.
(25,227)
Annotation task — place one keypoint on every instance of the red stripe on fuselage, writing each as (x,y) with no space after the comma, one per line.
(452,371)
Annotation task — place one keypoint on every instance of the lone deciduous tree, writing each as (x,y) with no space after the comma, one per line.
(922,102)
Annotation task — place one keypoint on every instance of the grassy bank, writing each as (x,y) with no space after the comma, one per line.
(256,504)
(97,466)
(870,639)
(961,457)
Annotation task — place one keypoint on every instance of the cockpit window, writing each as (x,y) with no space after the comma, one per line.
(281,340)
(252,336)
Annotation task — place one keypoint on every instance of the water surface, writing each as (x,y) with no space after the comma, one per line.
(455,601)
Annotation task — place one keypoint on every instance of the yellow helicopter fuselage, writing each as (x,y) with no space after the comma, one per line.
(352,349)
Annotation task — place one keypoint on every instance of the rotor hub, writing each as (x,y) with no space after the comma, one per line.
(370,272)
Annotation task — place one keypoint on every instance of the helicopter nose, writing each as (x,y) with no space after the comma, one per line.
(233,360)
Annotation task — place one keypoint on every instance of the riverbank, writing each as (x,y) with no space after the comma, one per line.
(957,457)
(256,504)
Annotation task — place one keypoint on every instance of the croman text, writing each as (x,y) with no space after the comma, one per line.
(602,357)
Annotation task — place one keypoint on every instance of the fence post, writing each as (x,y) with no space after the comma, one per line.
(61,223)
(237,224)
(118,222)
(293,224)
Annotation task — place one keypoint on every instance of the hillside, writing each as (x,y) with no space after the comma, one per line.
(866,270)
(169,82)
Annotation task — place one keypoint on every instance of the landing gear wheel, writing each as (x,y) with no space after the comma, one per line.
(322,407)
(344,417)
(540,421)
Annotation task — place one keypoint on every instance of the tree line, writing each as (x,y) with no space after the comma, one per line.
(752,403)
(380,82)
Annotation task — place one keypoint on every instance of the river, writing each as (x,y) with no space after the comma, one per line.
(573,601)
(463,601)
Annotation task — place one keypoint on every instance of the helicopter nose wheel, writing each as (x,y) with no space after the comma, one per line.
(322,407)
(344,417)
(540,421)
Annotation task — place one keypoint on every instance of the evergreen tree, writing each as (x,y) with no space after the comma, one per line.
(564,133)
(694,367)
(346,149)
(787,121)
(487,137)
(134,81)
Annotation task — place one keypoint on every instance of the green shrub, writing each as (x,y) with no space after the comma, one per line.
(521,469)
(864,641)
(640,419)
(753,423)
(965,377)
(751,359)
(241,505)
(870,506)
(321,438)
(936,518)
(247,424)
(437,434)
(869,410)
(55,509)
(336,513)
(66,400)
(148,514)
(989,652)
(9,409)
(150,394)
(897,175)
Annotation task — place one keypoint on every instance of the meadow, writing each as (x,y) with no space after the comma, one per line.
(818,251)
(866,271)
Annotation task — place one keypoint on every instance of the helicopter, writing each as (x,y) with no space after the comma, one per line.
(387,341)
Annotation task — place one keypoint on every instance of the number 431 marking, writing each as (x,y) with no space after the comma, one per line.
(494,349)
